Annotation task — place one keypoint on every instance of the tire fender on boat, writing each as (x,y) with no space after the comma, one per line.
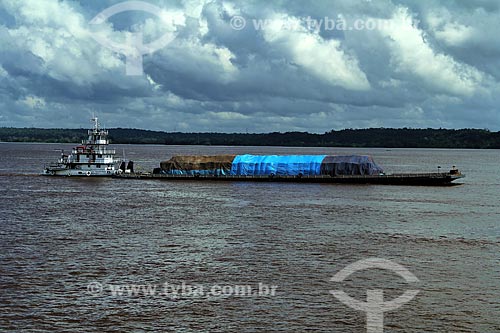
(88,173)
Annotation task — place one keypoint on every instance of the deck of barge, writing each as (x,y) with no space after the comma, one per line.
(435,179)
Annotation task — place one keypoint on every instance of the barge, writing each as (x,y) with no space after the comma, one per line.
(425,179)
(333,169)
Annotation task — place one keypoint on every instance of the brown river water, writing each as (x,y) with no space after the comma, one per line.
(72,250)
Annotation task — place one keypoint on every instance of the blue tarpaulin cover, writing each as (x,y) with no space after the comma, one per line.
(284,165)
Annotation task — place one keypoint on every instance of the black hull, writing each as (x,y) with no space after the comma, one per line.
(427,179)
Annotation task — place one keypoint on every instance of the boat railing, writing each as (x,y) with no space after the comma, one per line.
(97,132)
(98,151)
(397,175)
(105,151)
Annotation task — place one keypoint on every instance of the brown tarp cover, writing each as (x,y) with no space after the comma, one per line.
(213,163)
(337,165)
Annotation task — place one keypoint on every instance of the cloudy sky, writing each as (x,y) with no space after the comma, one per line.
(256,66)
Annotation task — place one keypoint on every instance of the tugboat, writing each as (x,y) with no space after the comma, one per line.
(91,158)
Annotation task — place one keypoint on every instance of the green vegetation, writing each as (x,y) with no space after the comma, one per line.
(372,137)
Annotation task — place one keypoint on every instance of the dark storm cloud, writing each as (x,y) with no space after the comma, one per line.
(432,63)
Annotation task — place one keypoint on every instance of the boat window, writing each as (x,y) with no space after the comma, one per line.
(98,165)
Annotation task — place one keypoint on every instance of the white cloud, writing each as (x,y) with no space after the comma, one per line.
(325,59)
(34,102)
(454,34)
(59,36)
(448,28)
(224,115)
(173,101)
(412,53)
(204,60)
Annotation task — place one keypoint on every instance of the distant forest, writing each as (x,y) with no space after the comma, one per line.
(372,137)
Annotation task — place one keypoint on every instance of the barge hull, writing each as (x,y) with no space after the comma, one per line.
(425,179)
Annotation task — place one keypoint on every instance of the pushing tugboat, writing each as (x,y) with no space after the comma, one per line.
(90,159)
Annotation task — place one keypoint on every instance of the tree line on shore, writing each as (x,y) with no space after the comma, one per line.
(371,137)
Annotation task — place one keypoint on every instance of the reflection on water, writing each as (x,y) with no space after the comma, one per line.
(60,234)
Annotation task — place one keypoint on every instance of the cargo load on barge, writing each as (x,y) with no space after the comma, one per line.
(270,165)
